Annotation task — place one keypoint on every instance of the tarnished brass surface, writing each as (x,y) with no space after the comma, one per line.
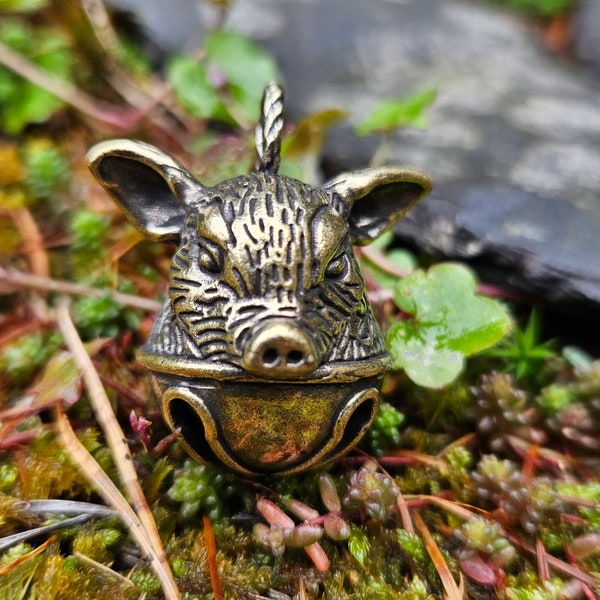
(266,354)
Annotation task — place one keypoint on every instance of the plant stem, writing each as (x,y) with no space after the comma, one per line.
(19,278)
(106,113)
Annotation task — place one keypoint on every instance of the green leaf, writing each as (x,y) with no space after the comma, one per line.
(22,5)
(247,69)
(309,135)
(228,84)
(449,322)
(395,114)
(22,102)
(358,545)
(189,79)
(60,380)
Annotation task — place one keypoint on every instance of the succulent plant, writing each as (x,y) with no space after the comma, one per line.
(371,491)
(504,409)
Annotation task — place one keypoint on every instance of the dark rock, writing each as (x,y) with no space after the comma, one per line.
(587,32)
(168,25)
(513,144)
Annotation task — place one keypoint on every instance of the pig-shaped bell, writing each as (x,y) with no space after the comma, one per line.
(266,355)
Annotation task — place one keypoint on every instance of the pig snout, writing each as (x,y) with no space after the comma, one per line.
(280,349)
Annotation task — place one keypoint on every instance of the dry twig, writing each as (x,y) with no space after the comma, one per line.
(115,437)
(453,592)
(18,278)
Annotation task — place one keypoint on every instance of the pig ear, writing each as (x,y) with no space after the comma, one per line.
(376,198)
(149,185)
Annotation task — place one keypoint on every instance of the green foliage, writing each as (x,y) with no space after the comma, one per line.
(146,581)
(22,102)
(449,322)
(412,544)
(459,459)
(22,5)
(358,545)
(384,431)
(553,422)
(399,262)
(396,114)
(555,398)
(371,491)
(228,84)
(46,168)
(200,488)
(532,590)
(300,150)
(103,317)
(545,8)
(416,590)
(190,81)
(89,231)
(21,359)
(522,353)
(481,536)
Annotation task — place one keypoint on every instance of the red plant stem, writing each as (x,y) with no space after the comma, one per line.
(23,437)
(555,563)
(542,560)
(123,390)
(211,553)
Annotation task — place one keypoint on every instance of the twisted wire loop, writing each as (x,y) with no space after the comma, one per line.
(268,130)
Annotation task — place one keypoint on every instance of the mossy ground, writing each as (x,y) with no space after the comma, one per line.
(498,472)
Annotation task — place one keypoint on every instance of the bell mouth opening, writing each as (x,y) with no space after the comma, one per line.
(210,438)
(188,426)
(354,420)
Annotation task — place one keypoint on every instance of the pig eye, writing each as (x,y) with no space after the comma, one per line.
(209,260)
(336,266)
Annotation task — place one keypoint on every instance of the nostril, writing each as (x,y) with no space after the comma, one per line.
(270,357)
(281,349)
(295,357)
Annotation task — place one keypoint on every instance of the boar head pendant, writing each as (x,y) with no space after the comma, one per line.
(265,355)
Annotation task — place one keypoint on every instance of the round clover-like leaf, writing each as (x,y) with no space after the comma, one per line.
(449,322)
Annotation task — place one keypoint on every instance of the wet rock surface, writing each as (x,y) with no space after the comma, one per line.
(513,142)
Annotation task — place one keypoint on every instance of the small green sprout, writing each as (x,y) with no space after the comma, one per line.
(396,114)
(522,352)
(358,545)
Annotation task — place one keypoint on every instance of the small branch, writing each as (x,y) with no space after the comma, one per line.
(118,445)
(123,390)
(109,114)
(378,258)
(33,242)
(19,278)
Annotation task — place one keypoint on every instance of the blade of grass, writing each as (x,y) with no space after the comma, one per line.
(452,590)
(21,559)
(116,441)
(36,532)
(109,492)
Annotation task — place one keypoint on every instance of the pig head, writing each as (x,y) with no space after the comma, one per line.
(266,354)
